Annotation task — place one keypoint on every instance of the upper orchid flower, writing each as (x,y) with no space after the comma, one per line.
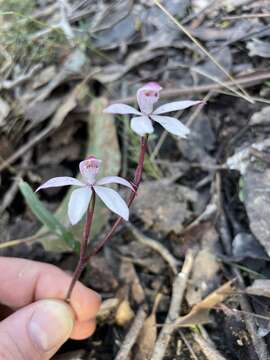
(80,198)
(142,124)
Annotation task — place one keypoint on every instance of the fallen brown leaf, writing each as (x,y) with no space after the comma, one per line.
(199,314)
(148,335)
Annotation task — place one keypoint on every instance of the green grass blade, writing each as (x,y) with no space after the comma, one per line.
(45,216)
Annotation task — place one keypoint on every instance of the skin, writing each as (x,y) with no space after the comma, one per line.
(24,284)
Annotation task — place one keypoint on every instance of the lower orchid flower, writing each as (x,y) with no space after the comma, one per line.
(142,124)
(80,198)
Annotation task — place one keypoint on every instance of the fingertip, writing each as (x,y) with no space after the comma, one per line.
(85,302)
(82,330)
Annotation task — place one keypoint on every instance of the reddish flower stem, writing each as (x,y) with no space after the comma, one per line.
(136,183)
(83,258)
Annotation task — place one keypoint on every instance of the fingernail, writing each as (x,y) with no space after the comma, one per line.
(51,324)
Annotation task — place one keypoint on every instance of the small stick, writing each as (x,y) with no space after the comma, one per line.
(178,290)
(132,335)
(156,246)
(10,84)
(10,194)
(246,81)
(209,351)
(12,191)
(192,353)
(28,239)
(198,109)
(246,16)
(258,342)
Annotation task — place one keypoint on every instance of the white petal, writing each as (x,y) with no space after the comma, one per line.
(174,106)
(172,125)
(141,125)
(121,109)
(113,201)
(60,181)
(114,180)
(78,204)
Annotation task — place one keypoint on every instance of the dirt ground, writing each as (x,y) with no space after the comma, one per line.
(187,277)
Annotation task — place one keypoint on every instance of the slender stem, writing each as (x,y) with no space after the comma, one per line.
(136,183)
(83,258)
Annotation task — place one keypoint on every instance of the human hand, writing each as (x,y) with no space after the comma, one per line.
(41,321)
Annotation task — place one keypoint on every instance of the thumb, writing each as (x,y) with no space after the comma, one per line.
(36,331)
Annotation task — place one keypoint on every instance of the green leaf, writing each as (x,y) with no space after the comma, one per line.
(45,216)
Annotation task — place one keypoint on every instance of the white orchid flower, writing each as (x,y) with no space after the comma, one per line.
(142,124)
(80,198)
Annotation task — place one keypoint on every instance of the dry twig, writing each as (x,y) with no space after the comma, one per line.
(132,335)
(158,247)
(245,81)
(179,287)
(11,193)
(209,351)
(10,84)
(29,240)
(186,342)
(258,342)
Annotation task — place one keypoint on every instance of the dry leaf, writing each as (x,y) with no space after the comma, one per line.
(147,339)
(199,314)
(204,272)
(129,276)
(107,308)
(124,313)
(148,335)
(167,212)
